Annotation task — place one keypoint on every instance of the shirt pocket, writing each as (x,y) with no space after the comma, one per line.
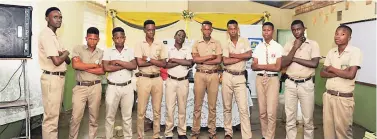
(345,61)
(157,53)
(305,53)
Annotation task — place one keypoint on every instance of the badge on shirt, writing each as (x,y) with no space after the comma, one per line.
(273,55)
(158,53)
(344,66)
(96,62)
(213,51)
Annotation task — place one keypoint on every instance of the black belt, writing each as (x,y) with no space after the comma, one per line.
(337,93)
(148,75)
(268,75)
(235,72)
(176,78)
(207,71)
(299,81)
(54,73)
(88,83)
(119,84)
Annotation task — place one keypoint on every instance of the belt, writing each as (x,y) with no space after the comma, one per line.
(268,75)
(299,81)
(207,71)
(119,84)
(54,73)
(176,78)
(235,72)
(337,93)
(88,83)
(150,75)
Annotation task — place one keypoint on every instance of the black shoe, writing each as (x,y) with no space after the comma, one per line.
(182,137)
(227,137)
(169,138)
(194,136)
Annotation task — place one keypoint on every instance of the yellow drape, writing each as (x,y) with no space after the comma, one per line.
(219,20)
(138,18)
(109,28)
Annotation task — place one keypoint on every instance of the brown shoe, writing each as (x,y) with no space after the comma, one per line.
(213,137)
(147,126)
(194,136)
(228,137)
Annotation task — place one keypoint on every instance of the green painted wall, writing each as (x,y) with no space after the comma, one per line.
(13,130)
(70,82)
(365,102)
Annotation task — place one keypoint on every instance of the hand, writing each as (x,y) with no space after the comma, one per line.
(231,55)
(65,51)
(213,57)
(298,42)
(293,59)
(330,69)
(112,62)
(60,53)
(144,58)
(171,60)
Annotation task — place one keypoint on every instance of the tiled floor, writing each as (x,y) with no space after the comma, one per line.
(280,127)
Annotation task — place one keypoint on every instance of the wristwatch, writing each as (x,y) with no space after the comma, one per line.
(148,59)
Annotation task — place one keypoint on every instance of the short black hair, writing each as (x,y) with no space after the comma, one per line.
(295,22)
(117,29)
(231,22)
(49,10)
(179,31)
(147,22)
(92,30)
(207,23)
(268,24)
(346,28)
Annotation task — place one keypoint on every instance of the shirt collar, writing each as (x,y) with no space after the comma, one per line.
(272,42)
(210,41)
(50,32)
(124,48)
(87,48)
(183,48)
(347,49)
(154,41)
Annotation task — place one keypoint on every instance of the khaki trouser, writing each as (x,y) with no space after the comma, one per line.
(303,92)
(176,91)
(52,96)
(82,95)
(205,83)
(235,85)
(268,95)
(337,116)
(115,96)
(145,88)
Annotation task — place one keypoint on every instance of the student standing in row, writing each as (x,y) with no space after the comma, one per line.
(236,52)
(267,64)
(177,85)
(340,68)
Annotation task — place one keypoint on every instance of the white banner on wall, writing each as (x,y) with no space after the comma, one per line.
(254,34)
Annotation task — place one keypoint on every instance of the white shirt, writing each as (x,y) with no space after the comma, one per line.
(183,53)
(127,54)
(274,51)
